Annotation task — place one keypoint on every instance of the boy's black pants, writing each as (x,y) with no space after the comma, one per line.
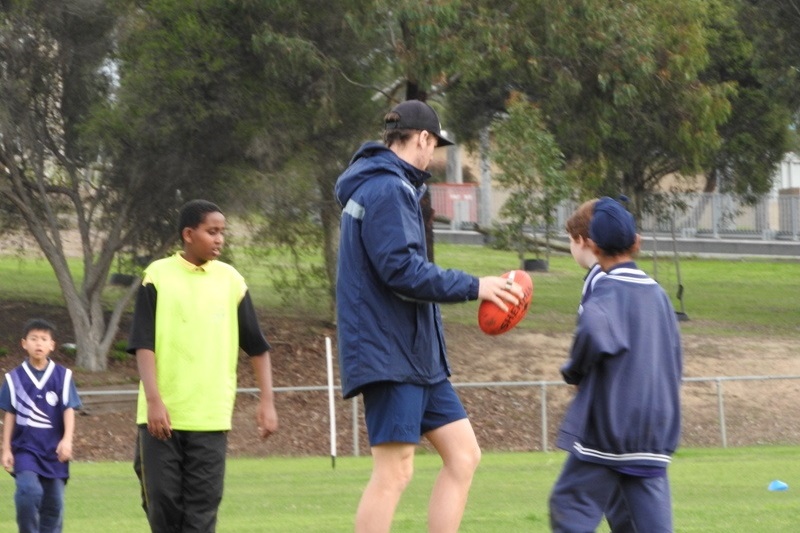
(181,479)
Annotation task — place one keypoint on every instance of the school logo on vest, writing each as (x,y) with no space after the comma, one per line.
(52,398)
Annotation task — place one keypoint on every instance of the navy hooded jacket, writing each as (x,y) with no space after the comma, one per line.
(389,325)
(626,359)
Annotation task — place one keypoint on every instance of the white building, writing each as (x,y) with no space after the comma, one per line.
(788,174)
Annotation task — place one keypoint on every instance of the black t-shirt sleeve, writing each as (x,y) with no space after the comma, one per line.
(143,328)
(251,338)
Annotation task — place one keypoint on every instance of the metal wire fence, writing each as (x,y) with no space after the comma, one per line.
(713,215)
(718,411)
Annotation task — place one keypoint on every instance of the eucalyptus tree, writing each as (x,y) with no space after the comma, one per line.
(317,93)
(418,42)
(114,113)
(618,84)
(757,133)
(774,28)
(532,170)
(337,67)
(53,70)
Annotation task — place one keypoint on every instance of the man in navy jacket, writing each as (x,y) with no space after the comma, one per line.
(390,335)
(626,360)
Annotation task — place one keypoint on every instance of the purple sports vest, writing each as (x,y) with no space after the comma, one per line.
(39,422)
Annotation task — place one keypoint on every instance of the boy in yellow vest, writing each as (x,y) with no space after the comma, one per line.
(192,315)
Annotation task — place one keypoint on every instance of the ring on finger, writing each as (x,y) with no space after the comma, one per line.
(509,283)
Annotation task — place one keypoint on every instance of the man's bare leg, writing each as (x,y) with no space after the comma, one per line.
(460,453)
(392,469)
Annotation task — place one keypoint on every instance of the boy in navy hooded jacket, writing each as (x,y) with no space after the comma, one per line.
(624,423)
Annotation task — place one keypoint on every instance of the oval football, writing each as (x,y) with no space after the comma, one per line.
(493,321)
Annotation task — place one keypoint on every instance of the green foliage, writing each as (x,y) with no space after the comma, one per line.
(288,226)
(756,136)
(319,88)
(774,29)
(119,351)
(532,170)
(641,107)
(419,41)
(162,102)
(69,350)
(118,113)
(119,356)
(191,98)
(618,84)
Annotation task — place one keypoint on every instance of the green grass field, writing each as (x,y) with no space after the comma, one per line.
(714,490)
(721,296)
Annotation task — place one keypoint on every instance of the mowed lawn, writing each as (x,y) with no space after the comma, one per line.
(729,297)
(714,490)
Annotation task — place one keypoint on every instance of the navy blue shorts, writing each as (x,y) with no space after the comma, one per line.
(403,412)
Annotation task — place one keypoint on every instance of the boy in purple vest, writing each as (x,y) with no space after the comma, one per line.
(39,399)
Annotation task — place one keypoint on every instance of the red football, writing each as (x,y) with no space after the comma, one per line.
(493,320)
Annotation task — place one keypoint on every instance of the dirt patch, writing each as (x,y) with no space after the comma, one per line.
(505,418)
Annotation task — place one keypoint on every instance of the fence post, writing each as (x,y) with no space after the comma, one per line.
(716,208)
(544,417)
(721,404)
(485,208)
(355,426)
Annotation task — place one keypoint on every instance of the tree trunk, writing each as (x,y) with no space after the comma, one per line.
(485,215)
(330,213)
(428,216)
(88,350)
(711,181)
(94,335)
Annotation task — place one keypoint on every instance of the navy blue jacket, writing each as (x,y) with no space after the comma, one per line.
(389,326)
(626,359)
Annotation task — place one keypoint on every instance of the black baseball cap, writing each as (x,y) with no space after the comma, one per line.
(417,115)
